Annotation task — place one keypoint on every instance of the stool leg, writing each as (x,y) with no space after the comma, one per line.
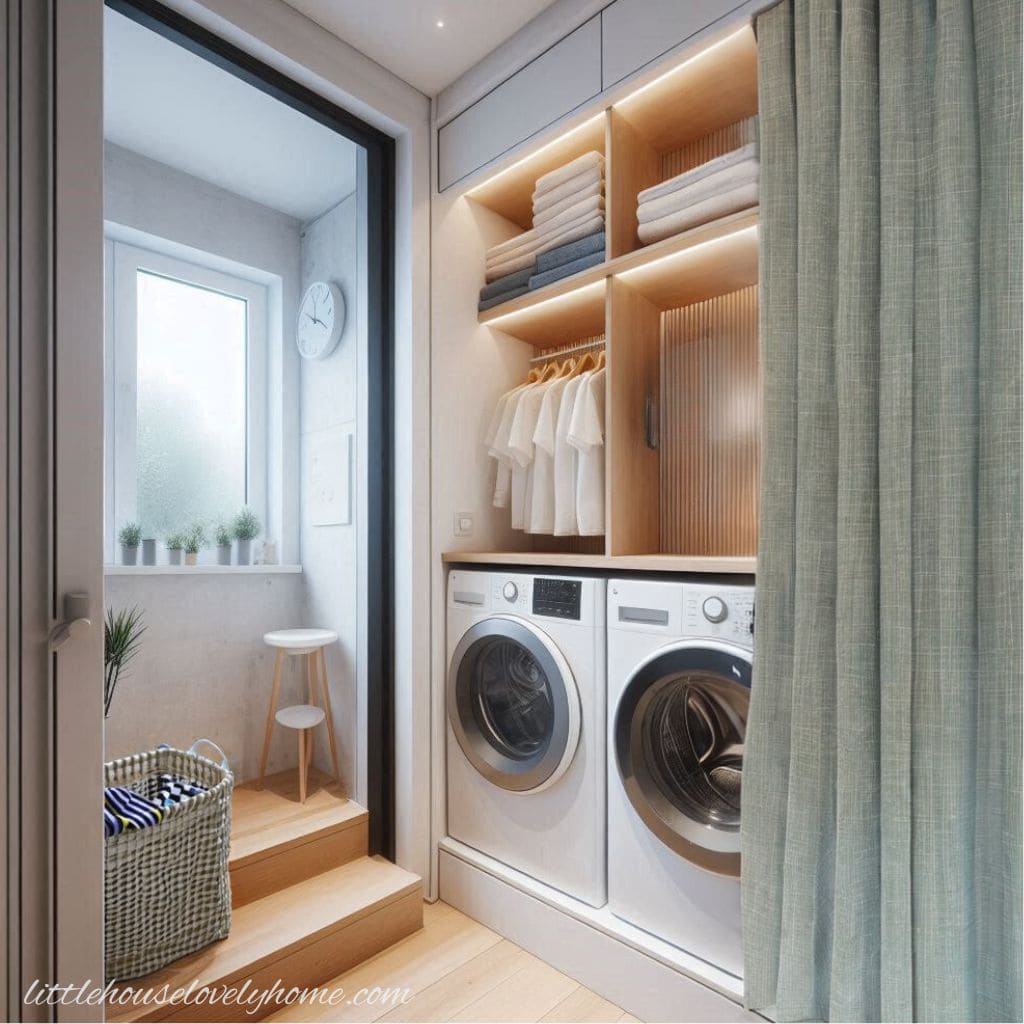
(271,711)
(311,682)
(329,719)
(302,765)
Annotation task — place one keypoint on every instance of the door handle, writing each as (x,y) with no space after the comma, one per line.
(76,618)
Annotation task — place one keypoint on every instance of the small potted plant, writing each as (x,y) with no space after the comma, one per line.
(175,542)
(149,551)
(222,535)
(246,528)
(130,535)
(194,539)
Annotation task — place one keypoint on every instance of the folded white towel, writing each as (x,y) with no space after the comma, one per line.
(554,221)
(700,213)
(595,188)
(578,229)
(554,178)
(591,176)
(511,244)
(735,156)
(533,239)
(721,181)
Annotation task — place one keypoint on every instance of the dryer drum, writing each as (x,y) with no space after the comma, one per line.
(679,734)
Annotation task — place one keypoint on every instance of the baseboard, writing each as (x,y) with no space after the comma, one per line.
(646,977)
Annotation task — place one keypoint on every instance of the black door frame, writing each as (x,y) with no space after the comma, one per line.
(380,178)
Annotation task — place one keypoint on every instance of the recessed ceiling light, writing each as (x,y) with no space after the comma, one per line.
(440,24)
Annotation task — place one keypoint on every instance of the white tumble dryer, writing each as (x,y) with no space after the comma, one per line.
(679,665)
(526,725)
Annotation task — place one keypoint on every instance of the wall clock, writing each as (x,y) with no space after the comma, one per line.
(321,320)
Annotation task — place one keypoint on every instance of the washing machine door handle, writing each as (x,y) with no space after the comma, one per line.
(513,704)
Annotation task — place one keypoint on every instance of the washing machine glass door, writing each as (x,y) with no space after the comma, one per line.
(513,704)
(679,732)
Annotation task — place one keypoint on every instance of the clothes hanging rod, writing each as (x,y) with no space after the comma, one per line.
(547,357)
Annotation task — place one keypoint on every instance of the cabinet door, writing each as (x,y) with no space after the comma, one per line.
(557,81)
(634,32)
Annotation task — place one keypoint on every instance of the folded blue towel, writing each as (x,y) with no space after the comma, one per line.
(124,809)
(503,297)
(570,253)
(566,270)
(508,283)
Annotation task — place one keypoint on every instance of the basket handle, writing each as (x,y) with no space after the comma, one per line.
(223,757)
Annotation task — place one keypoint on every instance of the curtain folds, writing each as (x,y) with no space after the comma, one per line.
(882,773)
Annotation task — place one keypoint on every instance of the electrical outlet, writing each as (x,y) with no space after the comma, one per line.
(463,524)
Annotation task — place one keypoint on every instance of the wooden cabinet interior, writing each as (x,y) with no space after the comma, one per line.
(679,317)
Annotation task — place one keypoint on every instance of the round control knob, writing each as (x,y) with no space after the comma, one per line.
(510,591)
(715,609)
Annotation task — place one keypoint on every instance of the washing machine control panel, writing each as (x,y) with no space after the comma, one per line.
(510,594)
(559,599)
(725,612)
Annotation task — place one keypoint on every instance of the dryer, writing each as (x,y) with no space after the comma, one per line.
(525,703)
(679,668)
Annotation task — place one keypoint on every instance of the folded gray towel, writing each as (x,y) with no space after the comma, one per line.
(567,253)
(497,300)
(566,270)
(507,283)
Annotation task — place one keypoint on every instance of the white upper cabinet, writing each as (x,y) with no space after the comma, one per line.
(557,81)
(635,32)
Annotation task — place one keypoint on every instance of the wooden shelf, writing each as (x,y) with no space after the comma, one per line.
(510,193)
(698,264)
(711,89)
(560,313)
(617,563)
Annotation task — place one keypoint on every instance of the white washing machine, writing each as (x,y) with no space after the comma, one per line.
(526,725)
(679,663)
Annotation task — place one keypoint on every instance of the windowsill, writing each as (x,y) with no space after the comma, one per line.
(200,570)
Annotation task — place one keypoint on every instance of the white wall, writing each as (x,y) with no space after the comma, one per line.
(331,554)
(202,669)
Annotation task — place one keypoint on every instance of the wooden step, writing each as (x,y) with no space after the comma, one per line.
(300,936)
(277,841)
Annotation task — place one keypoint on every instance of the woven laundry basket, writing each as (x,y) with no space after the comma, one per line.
(166,887)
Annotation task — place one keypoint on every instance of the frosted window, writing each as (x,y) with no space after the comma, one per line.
(191,404)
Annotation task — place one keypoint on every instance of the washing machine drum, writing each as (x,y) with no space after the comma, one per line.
(679,731)
(513,704)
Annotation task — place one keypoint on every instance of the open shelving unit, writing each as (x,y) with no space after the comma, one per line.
(679,318)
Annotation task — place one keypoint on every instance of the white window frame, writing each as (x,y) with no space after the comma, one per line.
(123,263)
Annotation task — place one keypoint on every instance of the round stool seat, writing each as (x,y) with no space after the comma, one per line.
(300,641)
(300,716)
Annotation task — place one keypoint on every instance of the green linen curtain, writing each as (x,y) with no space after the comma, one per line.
(882,773)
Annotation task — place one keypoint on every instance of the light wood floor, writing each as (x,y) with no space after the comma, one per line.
(457,970)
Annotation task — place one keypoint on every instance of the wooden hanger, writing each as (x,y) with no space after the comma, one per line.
(550,372)
(600,360)
(586,363)
(533,376)
(565,370)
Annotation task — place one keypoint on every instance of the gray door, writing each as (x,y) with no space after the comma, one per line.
(512,704)
(679,732)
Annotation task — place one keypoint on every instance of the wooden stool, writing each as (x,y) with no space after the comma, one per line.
(303,718)
(295,643)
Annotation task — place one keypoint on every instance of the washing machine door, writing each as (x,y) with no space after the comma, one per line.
(679,732)
(513,704)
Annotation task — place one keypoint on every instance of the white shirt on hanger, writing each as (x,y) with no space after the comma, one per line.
(566,458)
(541,511)
(496,440)
(586,435)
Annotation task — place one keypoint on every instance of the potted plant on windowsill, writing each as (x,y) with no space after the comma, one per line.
(175,542)
(149,551)
(246,528)
(195,538)
(222,535)
(130,535)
